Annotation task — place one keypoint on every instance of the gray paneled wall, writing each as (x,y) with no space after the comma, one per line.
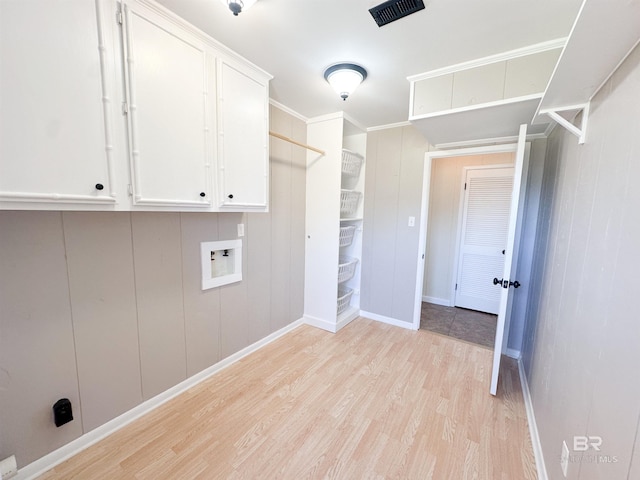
(106,308)
(393,191)
(581,341)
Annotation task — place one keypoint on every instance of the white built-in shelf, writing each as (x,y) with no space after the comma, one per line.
(602,36)
(495,120)
(487,98)
(354,219)
(604,33)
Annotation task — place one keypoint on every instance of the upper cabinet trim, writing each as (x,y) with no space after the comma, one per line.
(500,57)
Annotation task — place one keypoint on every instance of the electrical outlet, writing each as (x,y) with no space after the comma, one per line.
(564,459)
(8,468)
(241,229)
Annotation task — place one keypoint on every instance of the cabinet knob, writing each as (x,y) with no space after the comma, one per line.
(99,186)
(230,195)
(202,194)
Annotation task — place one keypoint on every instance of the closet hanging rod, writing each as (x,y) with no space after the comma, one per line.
(291,140)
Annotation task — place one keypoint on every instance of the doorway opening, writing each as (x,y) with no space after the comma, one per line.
(506,282)
(470,197)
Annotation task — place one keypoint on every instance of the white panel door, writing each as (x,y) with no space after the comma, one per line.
(243,155)
(168,73)
(53,119)
(508,281)
(485,222)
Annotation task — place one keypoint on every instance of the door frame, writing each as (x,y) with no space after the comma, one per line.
(424,210)
(456,259)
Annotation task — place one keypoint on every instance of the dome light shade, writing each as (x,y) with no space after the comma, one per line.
(237,6)
(345,78)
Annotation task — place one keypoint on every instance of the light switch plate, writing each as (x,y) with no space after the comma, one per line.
(241,229)
(412,221)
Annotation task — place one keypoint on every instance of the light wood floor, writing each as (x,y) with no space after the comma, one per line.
(372,401)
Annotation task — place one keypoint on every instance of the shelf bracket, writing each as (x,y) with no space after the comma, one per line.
(580,132)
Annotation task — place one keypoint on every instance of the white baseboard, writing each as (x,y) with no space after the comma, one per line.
(437,301)
(347,317)
(389,320)
(513,353)
(40,466)
(320,323)
(344,319)
(533,426)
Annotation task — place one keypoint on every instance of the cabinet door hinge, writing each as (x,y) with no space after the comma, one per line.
(456,287)
(465,185)
(119,18)
(125,108)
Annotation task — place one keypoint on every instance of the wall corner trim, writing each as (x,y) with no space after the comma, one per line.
(49,461)
(389,320)
(533,427)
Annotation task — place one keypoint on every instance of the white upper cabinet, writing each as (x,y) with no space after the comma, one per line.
(169,77)
(243,123)
(55,105)
(122,105)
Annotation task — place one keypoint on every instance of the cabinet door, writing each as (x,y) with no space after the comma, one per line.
(243,156)
(54,103)
(167,75)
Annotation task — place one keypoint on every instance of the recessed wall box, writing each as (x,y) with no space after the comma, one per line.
(221,263)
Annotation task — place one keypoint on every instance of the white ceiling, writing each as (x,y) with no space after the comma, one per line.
(295,40)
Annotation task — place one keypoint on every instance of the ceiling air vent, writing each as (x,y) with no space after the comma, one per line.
(393,10)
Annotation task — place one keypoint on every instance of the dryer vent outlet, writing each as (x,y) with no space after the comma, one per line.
(393,10)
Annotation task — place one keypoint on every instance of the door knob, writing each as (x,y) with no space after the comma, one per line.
(506,283)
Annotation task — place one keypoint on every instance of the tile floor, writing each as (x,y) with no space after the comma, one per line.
(467,325)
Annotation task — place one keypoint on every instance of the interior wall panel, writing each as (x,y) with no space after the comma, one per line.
(281,157)
(297,215)
(201,307)
(414,148)
(581,337)
(157,254)
(234,317)
(103,301)
(258,244)
(395,162)
(34,304)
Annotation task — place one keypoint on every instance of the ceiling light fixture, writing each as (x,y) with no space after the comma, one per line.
(237,6)
(345,78)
